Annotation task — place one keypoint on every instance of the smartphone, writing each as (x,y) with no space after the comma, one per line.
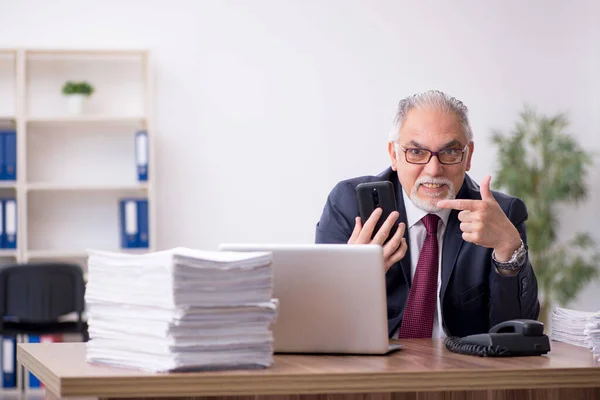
(377,194)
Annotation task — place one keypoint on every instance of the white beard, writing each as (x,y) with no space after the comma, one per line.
(428,204)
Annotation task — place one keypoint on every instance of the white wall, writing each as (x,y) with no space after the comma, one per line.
(262,106)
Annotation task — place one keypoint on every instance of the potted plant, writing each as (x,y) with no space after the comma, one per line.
(544,166)
(76,93)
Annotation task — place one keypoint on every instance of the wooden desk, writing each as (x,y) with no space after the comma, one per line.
(423,370)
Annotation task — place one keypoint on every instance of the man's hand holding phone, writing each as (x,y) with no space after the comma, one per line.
(395,249)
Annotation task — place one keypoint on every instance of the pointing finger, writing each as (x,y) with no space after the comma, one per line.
(470,205)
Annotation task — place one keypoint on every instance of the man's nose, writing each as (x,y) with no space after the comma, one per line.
(433,167)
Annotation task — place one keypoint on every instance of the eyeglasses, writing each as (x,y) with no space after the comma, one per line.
(445,156)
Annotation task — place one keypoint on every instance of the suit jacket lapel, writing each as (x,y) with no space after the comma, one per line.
(452,241)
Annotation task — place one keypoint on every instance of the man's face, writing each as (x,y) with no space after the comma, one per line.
(433,130)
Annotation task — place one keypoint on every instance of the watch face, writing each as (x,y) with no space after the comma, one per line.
(521,255)
(516,261)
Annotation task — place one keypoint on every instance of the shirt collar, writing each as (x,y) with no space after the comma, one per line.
(414,214)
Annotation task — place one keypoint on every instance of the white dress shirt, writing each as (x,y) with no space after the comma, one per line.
(417,233)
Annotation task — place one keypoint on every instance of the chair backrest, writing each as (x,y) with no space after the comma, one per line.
(41,292)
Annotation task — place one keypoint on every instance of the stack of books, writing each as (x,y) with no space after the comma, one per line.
(579,328)
(180,309)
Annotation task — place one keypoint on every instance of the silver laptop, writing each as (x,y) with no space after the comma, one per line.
(332,298)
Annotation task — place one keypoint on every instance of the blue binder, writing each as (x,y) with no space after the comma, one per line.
(10,223)
(2,225)
(8,356)
(2,162)
(128,217)
(134,227)
(10,155)
(141,155)
(142,208)
(34,382)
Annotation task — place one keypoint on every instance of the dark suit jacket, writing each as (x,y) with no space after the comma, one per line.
(473,296)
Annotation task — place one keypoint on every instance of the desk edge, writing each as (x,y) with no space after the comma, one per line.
(427,381)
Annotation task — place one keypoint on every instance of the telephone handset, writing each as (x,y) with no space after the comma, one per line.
(518,337)
(525,327)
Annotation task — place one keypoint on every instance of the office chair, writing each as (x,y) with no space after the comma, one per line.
(36,297)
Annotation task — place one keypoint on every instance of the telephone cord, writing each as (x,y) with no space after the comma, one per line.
(454,344)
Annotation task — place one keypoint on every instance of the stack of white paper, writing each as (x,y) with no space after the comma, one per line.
(180,309)
(579,328)
(592,332)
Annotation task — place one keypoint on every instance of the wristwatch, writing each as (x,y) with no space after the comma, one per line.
(515,262)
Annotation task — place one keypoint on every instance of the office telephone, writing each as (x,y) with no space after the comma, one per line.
(518,337)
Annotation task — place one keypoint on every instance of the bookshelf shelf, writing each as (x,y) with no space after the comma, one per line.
(73,254)
(86,119)
(86,187)
(85,53)
(8,253)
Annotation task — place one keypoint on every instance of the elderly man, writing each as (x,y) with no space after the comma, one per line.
(458,262)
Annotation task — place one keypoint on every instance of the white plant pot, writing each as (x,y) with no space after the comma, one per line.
(75,103)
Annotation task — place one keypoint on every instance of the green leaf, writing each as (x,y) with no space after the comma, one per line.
(71,87)
(541,163)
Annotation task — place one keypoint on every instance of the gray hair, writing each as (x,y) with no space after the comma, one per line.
(433,99)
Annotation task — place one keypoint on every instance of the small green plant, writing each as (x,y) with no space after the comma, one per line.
(71,87)
(547,168)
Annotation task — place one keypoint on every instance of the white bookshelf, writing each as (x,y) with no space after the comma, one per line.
(72,170)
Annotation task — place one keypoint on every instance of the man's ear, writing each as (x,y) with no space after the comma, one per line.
(471,147)
(393,156)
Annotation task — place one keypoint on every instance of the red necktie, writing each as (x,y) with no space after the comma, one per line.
(417,321)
